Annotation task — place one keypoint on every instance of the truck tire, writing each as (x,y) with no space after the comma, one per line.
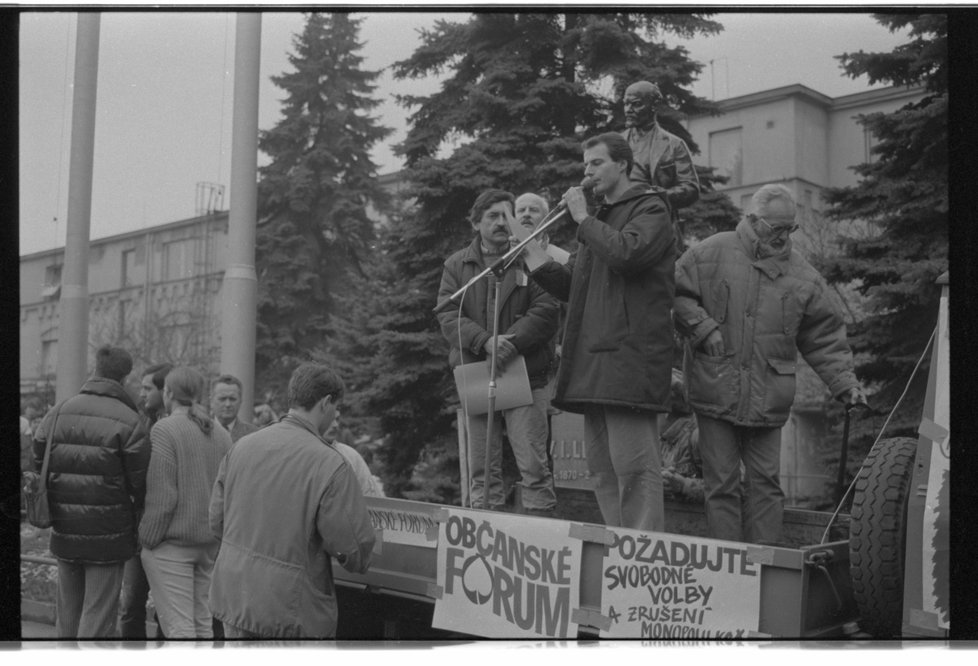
(878,535)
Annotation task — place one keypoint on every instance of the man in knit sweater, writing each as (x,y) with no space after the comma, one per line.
(178,549)
(285,504)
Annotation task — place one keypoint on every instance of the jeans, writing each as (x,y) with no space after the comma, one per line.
(88,599)
(180,577)
(723,446)
(527,430)
(623,455)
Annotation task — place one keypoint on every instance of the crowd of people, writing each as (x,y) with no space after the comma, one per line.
(232,527)
(164,498)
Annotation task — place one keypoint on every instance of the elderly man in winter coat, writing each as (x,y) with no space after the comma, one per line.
(96,487)
(617,349)
(285,504)
(749,303)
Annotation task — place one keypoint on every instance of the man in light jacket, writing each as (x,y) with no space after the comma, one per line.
(617,349)
(748,303)
(284,504)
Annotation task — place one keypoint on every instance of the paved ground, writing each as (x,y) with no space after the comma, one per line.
(36,630)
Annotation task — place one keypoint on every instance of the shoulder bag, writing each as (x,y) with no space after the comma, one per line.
(36,487)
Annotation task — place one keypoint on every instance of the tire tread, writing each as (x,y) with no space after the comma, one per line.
(877,535)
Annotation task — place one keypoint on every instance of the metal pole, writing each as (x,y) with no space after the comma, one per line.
(840,481)
(240,281)
(72,366)
(491,414)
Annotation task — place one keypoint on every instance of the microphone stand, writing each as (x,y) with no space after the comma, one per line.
(498,268)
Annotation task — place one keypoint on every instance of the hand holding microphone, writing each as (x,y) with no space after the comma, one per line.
(576,201)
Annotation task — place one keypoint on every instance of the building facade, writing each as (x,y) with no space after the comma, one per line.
(155,292)
(792,135)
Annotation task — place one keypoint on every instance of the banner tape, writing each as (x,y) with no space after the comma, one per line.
(591,533)
(590,618)
(758,555)
(932,431)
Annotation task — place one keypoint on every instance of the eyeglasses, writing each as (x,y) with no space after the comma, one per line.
(779,229)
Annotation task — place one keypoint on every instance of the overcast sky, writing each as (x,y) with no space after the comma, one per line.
(163,118)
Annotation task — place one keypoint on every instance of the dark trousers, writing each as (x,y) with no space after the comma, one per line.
(88,599)
(723,447)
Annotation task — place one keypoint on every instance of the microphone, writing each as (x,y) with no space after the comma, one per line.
(587,184)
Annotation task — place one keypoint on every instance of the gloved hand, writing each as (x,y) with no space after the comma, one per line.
(713,343)
(506,351)
(854,397)
(672,482)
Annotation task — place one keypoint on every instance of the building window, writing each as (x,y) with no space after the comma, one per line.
(869,142)
(726,155)
(49,357)
(745,202)
(52,282)
(808,205)
(178,259)
(130,274)
(122,320)
(175,339)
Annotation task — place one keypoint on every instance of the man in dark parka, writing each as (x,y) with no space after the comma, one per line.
(96,486)
(617,348)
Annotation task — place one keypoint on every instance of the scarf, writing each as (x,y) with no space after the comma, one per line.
(761,249)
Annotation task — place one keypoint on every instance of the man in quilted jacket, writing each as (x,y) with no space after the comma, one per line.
(96,486)
(748,304)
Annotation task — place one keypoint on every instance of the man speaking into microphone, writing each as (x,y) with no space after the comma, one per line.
(617,349)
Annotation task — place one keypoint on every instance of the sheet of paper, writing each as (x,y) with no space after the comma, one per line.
(512,386)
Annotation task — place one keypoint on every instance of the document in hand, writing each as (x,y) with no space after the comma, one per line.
(512,386)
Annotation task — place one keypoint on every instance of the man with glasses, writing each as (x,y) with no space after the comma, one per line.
(748,303)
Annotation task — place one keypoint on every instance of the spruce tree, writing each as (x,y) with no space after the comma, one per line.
(523,90)
(313,229)
(894,222)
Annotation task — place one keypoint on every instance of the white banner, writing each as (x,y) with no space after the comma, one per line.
(506,576)
(397,525)
(664,586)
